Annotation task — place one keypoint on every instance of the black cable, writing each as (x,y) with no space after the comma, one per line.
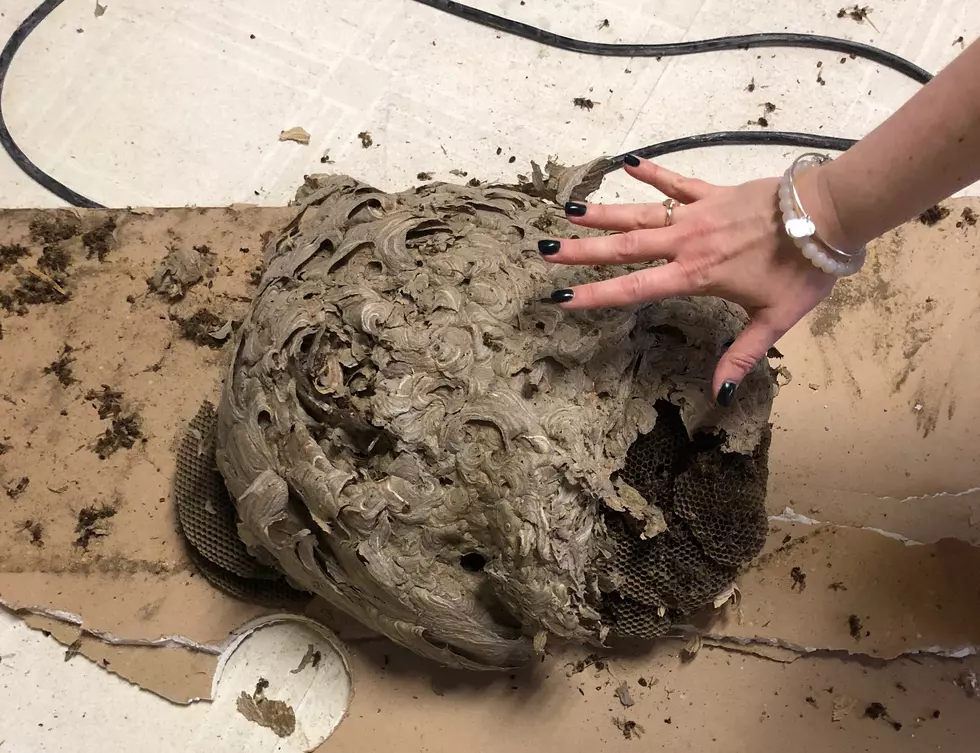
(9,145)
(534,34)
(741,42)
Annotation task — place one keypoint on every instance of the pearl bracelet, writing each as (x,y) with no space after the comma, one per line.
(803,232)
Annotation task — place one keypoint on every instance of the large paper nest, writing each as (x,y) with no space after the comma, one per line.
(412,433)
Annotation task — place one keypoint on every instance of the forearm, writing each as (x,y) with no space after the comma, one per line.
(924,153)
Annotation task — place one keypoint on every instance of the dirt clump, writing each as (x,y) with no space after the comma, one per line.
(934,215)
(54,260)
(15,488)
(36,531)
(124,430)
(100,240)
(61,367)
(205,328)
(58,227)
(11,254)
(92,524)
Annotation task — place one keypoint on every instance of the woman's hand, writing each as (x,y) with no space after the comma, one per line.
(723,241)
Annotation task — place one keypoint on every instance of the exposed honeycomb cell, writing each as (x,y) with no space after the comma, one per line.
(714,506)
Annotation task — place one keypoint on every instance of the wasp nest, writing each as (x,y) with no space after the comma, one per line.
(411,433)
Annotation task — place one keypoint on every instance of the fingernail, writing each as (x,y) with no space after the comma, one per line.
(574,209)
(547,248)
(727,344)
(632,160)
(726,394)
(562,296)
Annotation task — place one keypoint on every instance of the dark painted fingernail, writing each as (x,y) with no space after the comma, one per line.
(727,344)
(562,296)
(574,209)
(632,160)
(726,394)
(547,248)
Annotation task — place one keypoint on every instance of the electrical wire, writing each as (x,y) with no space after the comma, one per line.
(20,159)
(549,39)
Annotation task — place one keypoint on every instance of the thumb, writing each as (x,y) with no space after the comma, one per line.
(745,352)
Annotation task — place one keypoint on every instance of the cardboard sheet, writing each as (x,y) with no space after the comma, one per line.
(875,429)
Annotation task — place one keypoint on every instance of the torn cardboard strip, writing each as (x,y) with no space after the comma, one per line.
(857,591)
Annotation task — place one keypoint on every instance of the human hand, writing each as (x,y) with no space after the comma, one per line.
(725,241)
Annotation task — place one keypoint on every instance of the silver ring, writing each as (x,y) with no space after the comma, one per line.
(670,204)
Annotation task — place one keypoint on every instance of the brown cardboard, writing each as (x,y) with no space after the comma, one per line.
(851,450)
(181,675)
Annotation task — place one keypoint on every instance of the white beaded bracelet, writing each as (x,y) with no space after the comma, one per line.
(803,232)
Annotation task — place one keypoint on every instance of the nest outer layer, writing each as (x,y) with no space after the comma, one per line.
(412,432)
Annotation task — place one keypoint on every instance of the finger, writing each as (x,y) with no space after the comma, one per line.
(622,216)
(676,186)
(622,248)
(741,357)
(639,287)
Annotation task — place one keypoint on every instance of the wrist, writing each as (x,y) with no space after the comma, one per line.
(814,187)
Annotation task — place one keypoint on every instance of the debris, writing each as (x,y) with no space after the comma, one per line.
(123,433)
(623,694)
(297,134)
(99,241)
(180,270)
(424,176)
(90,524)
(603,24)
(842,706)
(691,648)
(277,716)
(968,681)
(366,140)
(584,102)
(967,219)
(458,173)
(61,367)
(312,658)
(799,579)
(773,352)
(205,328)
(125,427)
(52,229)
(837,586)
(53,260)
(629,728)
(857,13)
(36,530)
(100,9)
(10,255)
(50,291)
(582,664)
(642,682)
(15,488)
(856,626)
(74,649)
(934,215)
(812,701)
(877,710)
(814,387)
